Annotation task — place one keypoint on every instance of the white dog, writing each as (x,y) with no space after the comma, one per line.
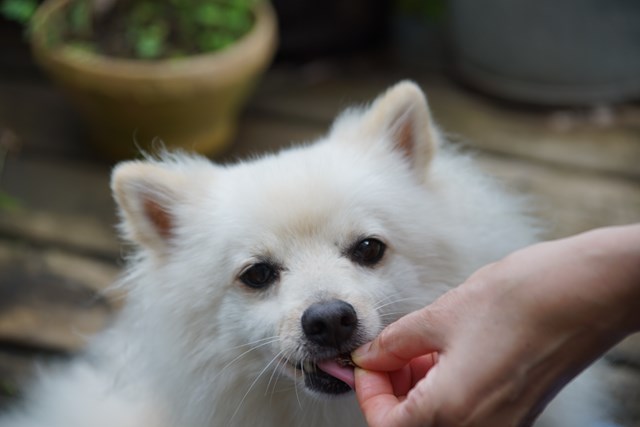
(253,281)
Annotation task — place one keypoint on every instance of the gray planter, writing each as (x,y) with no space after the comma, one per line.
(549,52)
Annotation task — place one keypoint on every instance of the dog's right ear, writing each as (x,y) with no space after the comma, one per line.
(148,194)
(400,120)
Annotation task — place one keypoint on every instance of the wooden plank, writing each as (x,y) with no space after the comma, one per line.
(61,202)
(60,185)
(78,233)
(603,139)
(260,133)
(316,95)
(566,200)
(606,139)
(43,119)
(52,299)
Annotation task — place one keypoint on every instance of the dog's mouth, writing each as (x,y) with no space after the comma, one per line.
(330,376)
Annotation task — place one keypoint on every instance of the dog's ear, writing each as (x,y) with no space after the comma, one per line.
(147,194)
(399,117)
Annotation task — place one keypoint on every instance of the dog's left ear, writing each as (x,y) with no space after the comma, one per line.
(399,117)
(148,195)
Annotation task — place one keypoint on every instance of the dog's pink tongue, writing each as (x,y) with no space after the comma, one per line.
(343,373)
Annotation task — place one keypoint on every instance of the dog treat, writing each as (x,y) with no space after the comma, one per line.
(345,360)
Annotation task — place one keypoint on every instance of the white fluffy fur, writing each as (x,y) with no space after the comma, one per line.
(194,347)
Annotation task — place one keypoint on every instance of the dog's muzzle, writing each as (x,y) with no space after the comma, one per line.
(329,328)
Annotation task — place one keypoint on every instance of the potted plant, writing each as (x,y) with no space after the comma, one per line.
(141,71)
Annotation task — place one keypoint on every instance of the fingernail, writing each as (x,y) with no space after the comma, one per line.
(360,352)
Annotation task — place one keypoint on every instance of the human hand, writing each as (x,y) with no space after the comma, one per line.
(496,349)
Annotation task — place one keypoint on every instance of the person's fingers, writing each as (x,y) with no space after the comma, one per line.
(401,380)
(383,408)
(375,393)
(372,386)
(404,379)
(414,335)
(420,366)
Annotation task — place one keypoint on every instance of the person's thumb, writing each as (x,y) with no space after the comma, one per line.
(413,335)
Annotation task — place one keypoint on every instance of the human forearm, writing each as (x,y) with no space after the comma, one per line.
(614,255)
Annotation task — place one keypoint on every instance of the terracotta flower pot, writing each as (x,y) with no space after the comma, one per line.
(191,103)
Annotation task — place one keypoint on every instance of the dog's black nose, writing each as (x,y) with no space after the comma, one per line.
(329,323)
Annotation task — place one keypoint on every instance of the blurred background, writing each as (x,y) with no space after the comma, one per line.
(546,93)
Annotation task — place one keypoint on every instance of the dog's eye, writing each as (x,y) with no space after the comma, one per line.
(367,252)
(259,275)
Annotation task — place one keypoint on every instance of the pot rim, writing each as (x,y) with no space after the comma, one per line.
(251,51)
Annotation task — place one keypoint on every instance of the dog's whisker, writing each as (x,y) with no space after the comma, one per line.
(393,314)
(275,389)
(258,341)
(387,298)
(271,384)
(241,355)
(281,362)
(255,381)
(295,351)
(295,387)
(389,318)
(395,301)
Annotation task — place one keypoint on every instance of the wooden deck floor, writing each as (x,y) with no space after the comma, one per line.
(59,248)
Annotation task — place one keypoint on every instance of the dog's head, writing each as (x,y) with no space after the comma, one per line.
(289,262)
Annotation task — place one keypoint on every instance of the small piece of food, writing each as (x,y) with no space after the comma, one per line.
(345,360)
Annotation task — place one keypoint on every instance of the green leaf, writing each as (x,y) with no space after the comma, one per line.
(430,10)
(80,17)
(150,41)
(238,21)
(18,10)
(214,40)
(245,5)
(144,12)
(210,15)
(7,202)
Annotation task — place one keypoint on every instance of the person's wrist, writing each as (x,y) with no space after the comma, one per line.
(615,251)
